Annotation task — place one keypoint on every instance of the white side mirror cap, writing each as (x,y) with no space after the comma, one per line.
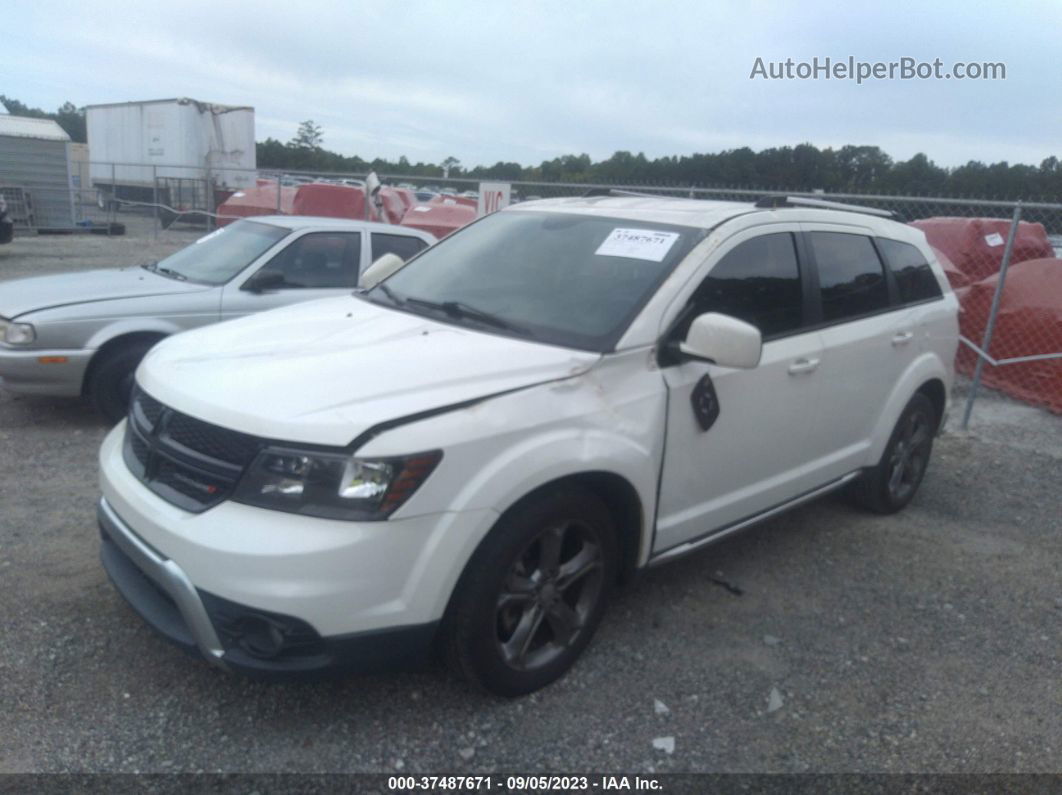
(723,340)
(381,269)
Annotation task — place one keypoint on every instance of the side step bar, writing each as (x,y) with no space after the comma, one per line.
(690,546)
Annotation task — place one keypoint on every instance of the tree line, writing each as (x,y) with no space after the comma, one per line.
(70,117)
(855,169)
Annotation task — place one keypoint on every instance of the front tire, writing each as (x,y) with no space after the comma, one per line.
(110,383)
(892,484)
(534,592)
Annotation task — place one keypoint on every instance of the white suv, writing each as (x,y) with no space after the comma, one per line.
(471,453)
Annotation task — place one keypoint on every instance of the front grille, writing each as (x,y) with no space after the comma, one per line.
(140,451)
(186,461)
(210,440)
(149,407)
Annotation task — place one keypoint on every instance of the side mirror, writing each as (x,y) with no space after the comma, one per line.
(380,270)
(264,280)
(723,340)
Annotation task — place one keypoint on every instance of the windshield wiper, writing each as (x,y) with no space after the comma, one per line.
(395,298)
(169,272)
(459,309)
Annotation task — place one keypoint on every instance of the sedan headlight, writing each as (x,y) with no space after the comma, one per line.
(332,485)
(17,333)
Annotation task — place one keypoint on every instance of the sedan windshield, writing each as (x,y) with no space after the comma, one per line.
(562,278)
(219,256)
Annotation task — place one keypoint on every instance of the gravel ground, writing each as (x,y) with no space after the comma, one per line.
(36,255)
(827,640)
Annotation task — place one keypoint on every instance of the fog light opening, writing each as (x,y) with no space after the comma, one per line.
(260,637)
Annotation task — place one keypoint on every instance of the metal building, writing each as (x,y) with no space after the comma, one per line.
(35,172)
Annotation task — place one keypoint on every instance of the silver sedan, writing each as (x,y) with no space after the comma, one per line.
(85,333)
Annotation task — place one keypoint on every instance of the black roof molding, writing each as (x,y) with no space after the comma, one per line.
(618,192)
(775,202)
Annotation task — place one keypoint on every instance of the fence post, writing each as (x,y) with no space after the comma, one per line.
(279,184)
(155,197)
(113,204)
(991,326)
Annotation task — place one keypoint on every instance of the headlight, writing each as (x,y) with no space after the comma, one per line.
(17,333)
(331,485)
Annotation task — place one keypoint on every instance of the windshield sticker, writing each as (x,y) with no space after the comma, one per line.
(994,239)
(637,244)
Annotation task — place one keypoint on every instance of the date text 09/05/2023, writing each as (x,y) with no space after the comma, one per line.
(532,783)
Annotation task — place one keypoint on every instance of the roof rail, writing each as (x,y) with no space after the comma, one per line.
(821,204)
(618,192)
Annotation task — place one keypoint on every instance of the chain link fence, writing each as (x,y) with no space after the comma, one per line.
(1001,257)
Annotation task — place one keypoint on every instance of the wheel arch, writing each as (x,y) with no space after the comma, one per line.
(617,493)
(114,343)
(927,375)
(620,498)
(936,392)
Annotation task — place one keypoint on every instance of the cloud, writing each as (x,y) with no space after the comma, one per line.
(487,81)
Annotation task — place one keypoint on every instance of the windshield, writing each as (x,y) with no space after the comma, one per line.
(561,278)
(219,256)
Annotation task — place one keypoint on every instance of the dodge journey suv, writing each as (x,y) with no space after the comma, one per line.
(471,453)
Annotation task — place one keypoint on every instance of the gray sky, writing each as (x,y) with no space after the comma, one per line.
(527,81)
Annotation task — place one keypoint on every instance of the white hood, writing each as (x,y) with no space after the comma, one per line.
(326,371)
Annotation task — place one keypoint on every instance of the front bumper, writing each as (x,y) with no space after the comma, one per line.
(44,372)
(201,623)
(351,595)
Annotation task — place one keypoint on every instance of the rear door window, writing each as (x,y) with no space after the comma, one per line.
(404,246)
(851,277)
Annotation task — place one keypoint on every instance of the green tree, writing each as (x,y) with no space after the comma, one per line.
(451,167)
(68,116)
(309,136)
(72,119)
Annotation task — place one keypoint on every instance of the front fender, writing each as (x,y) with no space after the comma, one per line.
(140,325)
(609,420)
(536,462)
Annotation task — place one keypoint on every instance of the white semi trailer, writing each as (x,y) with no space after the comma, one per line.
(182,153)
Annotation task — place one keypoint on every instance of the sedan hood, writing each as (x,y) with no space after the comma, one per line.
(62,289)
(326,371)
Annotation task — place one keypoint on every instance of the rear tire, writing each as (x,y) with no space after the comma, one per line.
(110,383)
(533,593)
(892,483)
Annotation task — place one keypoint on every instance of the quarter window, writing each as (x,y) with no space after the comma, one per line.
(757,281)
(851,279)
(914,277)
(319,260)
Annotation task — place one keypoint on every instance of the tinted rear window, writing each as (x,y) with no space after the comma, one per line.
(914,277)
(851,279)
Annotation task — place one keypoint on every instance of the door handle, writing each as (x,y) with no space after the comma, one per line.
(902,338)
(803,365)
